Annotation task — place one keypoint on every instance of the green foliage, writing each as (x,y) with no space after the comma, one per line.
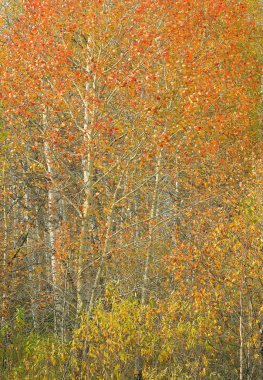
(31,356)
(169,343)
(173,339)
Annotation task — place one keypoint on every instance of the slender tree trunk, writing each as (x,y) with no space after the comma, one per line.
(153,215)
(51,226)
(88,168)
(105,250)
(145,285)
(31,259)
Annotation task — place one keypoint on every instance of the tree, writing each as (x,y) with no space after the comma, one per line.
(131,134)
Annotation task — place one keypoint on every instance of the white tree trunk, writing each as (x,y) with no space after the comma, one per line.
(153,215)
(87,167)
(52,226)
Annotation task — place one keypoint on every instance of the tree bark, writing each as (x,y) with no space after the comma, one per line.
(51,227)
(88,168)
(153,215)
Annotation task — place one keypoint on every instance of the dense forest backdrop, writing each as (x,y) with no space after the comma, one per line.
(131,190)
